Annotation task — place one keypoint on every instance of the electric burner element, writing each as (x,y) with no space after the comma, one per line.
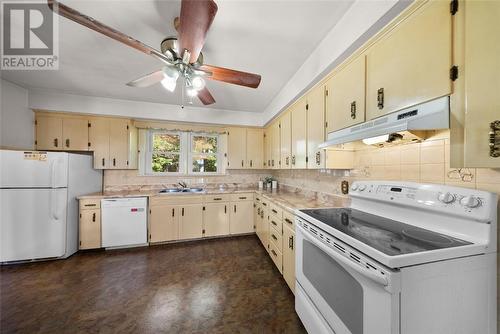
(386,235)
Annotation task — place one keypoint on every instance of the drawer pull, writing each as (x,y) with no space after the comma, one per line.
(274,253)
(90,204)
(274,223)
(288,221)
(217,199)
(274,237)
(264,203)
(257,199)
(274,211)
(242,197)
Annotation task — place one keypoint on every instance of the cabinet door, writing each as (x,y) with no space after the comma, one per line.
(411,64)
(241,220)
(255,148)
(99,141)
(216,219)
(481,47)
(345,103)
(286,140)
(191,221)
(90,229)
(75,134)
(316,127)
(289,257)
(236,148)
(299,124)
(276,149)
(49,133)
(118,143)
(163,223)
(256,219)
(266,148)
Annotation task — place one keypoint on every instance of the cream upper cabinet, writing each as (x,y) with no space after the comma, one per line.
(286,140)
(216,219)
(163,223)
(75,134)
(190,221)
(236,148)
(49,133)
(345,103)
(255,145)
(315,127)
(118,143)
(411,63)
(476,103)
(289,256)
(99,141)
(299,133)
(274,145)
(267,159)
(241,218)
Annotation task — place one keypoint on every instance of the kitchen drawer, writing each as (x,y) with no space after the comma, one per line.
(175,200)
(90,203)
(217,198)
(276,238)
(275,210)
(289,219)
(242,197)
(277,256)
(275,223)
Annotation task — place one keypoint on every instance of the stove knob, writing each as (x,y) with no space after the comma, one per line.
(362,187)
(354,187)
(446,198)
(470,201)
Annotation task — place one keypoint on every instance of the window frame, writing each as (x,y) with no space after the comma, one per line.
(191,153)
(150,152)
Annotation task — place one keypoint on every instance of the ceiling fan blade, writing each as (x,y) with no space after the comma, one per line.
(195,20)
(205,97)
(147,80)
(95,25)
(232,76)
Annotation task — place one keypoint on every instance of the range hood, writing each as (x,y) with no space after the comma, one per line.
(431,115)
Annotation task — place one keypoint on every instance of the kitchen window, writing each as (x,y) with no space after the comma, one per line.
(182,152)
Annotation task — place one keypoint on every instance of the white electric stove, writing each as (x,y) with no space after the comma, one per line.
(403,258)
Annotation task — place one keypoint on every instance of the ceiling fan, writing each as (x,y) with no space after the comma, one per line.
(181,57)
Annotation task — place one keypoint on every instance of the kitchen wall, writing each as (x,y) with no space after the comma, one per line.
(16,119)
(130,179)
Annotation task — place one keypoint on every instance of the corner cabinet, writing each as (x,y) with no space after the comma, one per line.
(411,63)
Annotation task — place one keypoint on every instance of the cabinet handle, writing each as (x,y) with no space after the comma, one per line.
(93,217)
(243,197)
(494,139)
(318,158)
(103,162)
(380,98)
(274,237)
(274,211)
(272,162)
(269,162)
(250,162)
(258,211)
(235,208)
(274,223)
(89,205)
(287,161)
(114,162)
(262,214)
(217,199)
(293,160)
(242,163)
(182,212)
(56,142)
(353,110)
(173,212)
(263,203)
(274,253)
(67,142)
(225,208)
(288,221)
(290,242)
(257,199)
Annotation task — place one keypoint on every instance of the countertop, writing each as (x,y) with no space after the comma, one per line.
(288,200)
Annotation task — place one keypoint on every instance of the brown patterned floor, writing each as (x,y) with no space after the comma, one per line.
(214,286)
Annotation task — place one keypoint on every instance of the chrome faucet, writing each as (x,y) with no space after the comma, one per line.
(182,184)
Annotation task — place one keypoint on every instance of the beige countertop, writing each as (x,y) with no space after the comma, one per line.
(288,200)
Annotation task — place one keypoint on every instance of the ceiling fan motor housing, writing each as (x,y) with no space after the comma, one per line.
(170,48)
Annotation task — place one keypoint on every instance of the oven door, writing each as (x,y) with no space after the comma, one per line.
(348,297)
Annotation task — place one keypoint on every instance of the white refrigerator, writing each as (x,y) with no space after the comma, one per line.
(38,205)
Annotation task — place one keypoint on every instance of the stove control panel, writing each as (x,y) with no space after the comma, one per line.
(471,203)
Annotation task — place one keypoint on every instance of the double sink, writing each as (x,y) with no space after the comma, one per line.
(180,190)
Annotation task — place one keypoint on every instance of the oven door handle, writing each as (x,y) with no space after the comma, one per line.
(342,260)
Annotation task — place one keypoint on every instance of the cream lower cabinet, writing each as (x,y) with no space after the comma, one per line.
(190,221)
(163,223)
(216,219)
(289,251)
(90,224)
(241,216)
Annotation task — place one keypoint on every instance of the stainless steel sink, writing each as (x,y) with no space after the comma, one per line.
(170,190)
(180,190)
(193,190)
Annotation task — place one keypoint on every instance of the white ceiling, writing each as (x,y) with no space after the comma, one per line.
(271,38)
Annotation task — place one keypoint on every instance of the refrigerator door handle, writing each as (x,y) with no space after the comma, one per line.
(53,174)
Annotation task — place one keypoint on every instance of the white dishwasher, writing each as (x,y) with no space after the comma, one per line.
(124,222)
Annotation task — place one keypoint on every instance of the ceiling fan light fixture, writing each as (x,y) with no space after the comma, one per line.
(191,92)
(198,83)
(169,84)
